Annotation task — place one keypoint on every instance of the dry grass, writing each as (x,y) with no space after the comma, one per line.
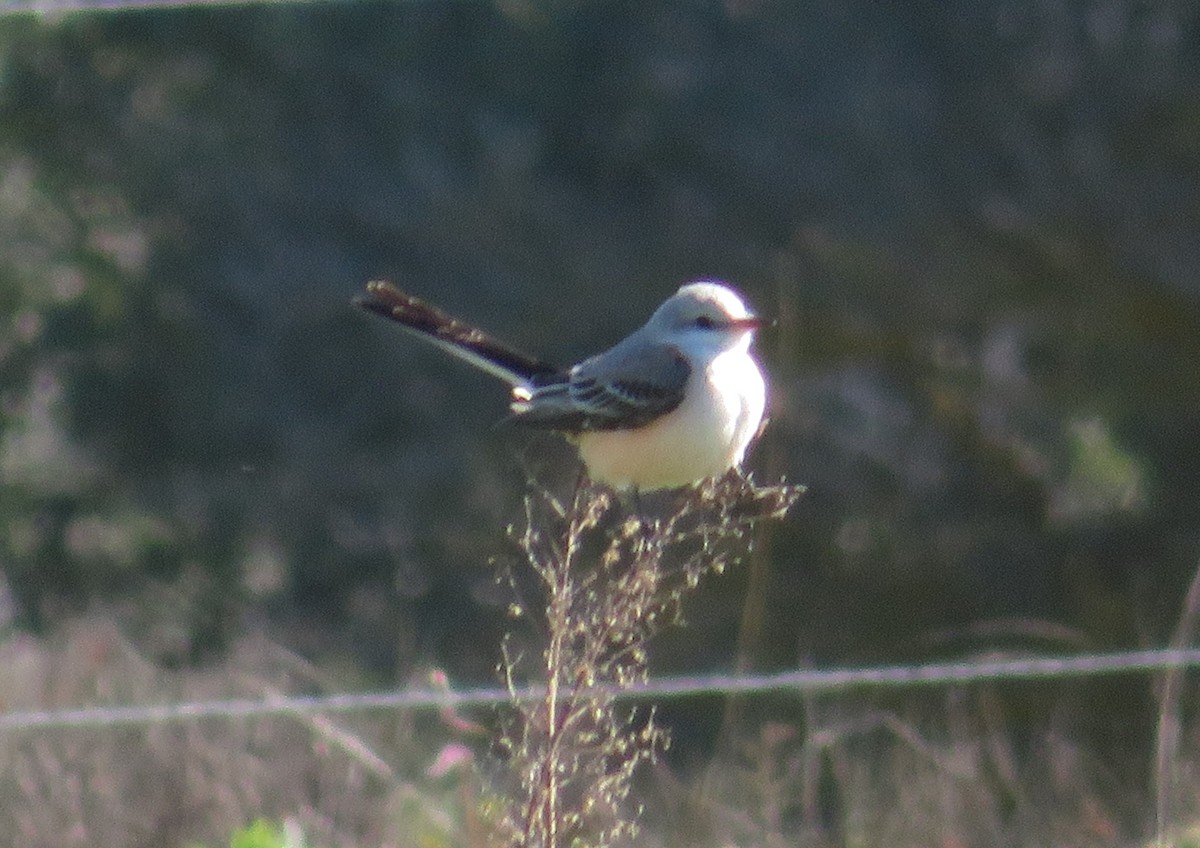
(953,768)
(606,579)
(344,783)
(855,774)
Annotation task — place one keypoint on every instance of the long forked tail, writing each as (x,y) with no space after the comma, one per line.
(468,343)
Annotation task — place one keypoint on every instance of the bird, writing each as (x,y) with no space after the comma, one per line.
(677,401)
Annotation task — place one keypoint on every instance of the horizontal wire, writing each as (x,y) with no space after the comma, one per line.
(803,681)
(53,8)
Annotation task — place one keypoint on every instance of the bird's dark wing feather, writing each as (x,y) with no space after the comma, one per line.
(624,388)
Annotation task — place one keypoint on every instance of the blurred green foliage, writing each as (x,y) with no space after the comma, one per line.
(258,834)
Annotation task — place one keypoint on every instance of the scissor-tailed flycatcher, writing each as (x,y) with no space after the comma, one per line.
(678,400)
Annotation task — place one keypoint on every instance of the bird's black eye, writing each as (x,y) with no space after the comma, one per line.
(705,323)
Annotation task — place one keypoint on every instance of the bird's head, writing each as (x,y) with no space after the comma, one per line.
(707,315)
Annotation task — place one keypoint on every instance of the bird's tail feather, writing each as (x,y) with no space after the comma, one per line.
(456,337)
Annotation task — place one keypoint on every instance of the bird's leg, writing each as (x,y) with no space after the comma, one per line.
(580,483)
(647,527)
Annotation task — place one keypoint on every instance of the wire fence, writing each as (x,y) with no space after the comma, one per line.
(799,682)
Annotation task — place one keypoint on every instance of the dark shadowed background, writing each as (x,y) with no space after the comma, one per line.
(977,224)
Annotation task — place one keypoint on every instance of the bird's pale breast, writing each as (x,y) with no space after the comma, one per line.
(706,435)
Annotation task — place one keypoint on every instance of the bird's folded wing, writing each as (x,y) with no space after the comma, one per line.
(624,388)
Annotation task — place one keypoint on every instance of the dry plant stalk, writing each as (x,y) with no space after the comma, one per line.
(1170,692)
(607,580)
